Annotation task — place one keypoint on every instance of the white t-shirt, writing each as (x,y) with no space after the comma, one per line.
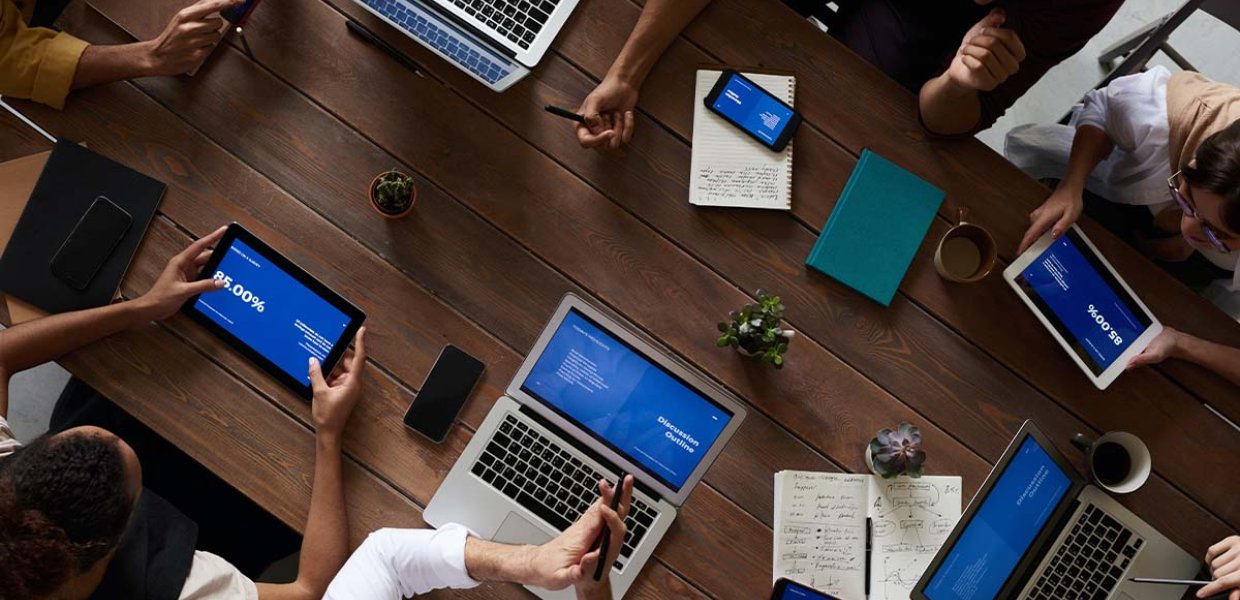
(210,577)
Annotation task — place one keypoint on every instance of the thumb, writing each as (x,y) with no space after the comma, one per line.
(996,18)
(1140,360)
(585,568)
(203,286)
(1063,224)
(317,382)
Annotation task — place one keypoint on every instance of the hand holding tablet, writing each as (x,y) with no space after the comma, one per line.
(1083,302)
(272,311)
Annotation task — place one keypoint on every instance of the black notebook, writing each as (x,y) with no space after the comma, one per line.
(71,183)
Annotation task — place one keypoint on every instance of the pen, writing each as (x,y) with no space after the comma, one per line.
(373,40)
(606,537)
(1167,581)
(567,114)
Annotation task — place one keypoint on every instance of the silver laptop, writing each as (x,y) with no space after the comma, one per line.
(496,41)
(591,399)
(1037,529)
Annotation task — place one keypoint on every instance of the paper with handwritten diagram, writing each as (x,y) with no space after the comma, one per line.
(820,530)
(729,168)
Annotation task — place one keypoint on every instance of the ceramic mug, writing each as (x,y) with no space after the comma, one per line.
(1119,462)
(967,253)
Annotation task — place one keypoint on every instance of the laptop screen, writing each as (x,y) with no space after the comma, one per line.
(1000,532)
(625,400)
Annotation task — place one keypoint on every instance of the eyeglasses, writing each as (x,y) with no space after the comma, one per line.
(1190,209)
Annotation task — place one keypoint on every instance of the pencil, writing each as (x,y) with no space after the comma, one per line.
(603,563)
(567,114)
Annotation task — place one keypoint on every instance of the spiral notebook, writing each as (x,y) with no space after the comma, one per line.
(728,168)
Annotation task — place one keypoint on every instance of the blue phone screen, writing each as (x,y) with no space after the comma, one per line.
(753,109)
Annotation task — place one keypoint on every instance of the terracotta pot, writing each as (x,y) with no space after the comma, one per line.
(413,199)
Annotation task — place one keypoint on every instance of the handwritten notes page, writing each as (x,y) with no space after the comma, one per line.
(728,168)
(820,530)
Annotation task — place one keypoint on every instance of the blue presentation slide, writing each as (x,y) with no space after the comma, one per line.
(752,108)
(1003,527)
(626,400)
(272,312)
(1099,324)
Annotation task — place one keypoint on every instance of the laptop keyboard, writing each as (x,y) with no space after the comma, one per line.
(540,475)
(441,38)
(1091,559)
(518,20)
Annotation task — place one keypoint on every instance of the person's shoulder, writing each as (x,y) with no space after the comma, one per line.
(213,578)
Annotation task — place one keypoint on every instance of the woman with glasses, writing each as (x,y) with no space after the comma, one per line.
(1155,157)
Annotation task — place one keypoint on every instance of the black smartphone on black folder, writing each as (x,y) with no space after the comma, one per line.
(443,393)
(753,110)
(91,243)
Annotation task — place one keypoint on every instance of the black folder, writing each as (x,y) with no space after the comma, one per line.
(71,181)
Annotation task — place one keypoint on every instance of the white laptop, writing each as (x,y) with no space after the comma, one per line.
(591,399)
(1037,530)
(1081,300)
(496,41)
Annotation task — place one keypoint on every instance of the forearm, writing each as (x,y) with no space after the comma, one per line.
(325,545)
(1221,359)
(41,340)
(660,22)
(947,108)
(1090,147)
(105,64)
(491,561)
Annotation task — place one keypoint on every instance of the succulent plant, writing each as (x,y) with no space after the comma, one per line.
(755,330)
(394,192)
(898,452)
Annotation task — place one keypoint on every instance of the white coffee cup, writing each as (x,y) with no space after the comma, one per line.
(1118,462)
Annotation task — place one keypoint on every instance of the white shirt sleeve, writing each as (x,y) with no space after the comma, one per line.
(213,578)
(8,443)
(1131,109)
(398,563)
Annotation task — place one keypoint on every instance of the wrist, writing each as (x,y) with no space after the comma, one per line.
(141,310)
(327,439)
(490,561)
(626,72)
(951,90)
(141,58)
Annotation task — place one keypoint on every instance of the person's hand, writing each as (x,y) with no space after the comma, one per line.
(609,115)
(179,281)
(1162,347)
(988,55)
(1223,559)
(188,38)
(570,560)
(1059,212)
(335,397)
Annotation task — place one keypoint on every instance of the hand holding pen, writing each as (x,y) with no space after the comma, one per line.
(582,555)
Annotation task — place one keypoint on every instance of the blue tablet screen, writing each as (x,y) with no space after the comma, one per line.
(272,312)
(1083,301)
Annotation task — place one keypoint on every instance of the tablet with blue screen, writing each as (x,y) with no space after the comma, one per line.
(272,311)
(1084,304)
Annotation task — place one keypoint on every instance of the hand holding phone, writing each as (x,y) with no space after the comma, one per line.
(443,393)
(753,110)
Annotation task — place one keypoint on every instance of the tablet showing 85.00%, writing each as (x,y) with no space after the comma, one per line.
(239,291)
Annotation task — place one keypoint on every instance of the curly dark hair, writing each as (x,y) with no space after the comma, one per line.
(1218,170)
(64,504)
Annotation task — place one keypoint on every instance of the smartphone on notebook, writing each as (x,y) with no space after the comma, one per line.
(787,589)
(753,110)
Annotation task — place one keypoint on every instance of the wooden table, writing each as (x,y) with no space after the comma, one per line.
(511,215)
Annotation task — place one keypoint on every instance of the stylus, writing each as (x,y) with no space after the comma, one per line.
(567,114)
(390,50)
(606,538)
(1167,581)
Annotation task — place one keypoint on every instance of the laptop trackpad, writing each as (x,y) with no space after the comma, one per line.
(517,530)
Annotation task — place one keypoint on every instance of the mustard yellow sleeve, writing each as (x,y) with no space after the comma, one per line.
(36,63)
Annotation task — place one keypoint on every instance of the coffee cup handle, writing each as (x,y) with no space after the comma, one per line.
(962,214)
(1080,441)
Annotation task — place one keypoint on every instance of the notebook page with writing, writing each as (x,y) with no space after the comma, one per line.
(820,530)
(729,168)
(911,518)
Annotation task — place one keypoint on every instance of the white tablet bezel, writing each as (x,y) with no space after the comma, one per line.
(1119,365)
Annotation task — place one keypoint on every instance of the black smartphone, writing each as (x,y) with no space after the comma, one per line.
(238,14)
(91,243)
(444,392)
(753,110)
(786,589)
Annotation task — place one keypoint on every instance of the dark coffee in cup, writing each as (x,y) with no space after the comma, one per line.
(1112,464)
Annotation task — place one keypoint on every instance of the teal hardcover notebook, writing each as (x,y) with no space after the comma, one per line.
(876,227)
